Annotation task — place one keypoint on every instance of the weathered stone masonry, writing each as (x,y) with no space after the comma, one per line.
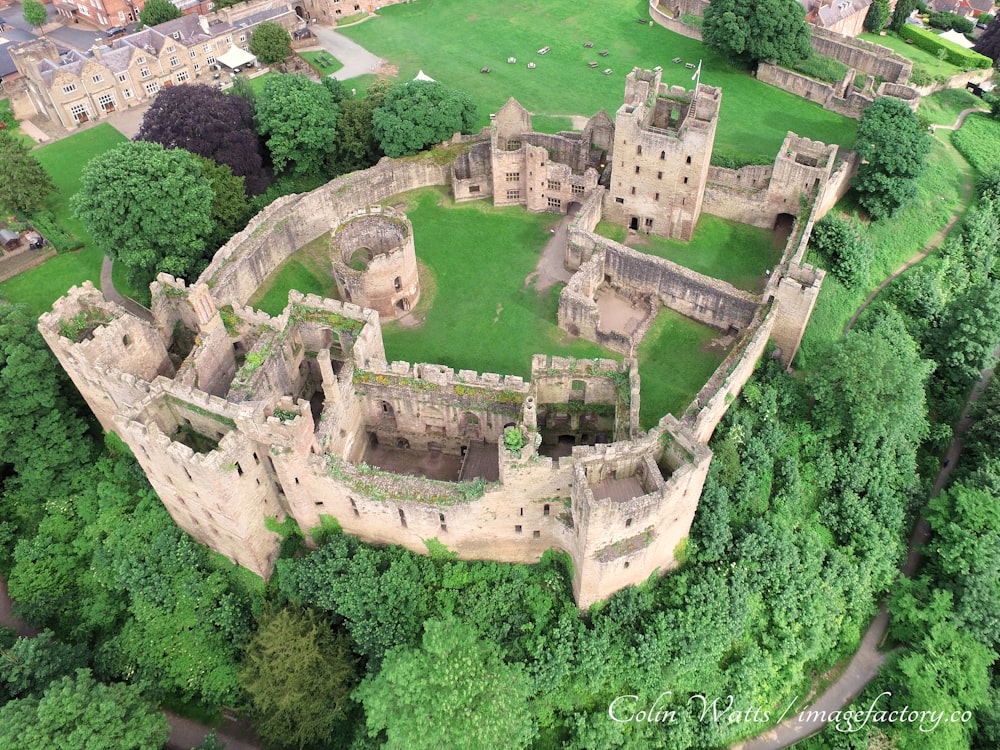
(237,416)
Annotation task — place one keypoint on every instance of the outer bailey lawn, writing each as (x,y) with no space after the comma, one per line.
(64,161)
(451,40)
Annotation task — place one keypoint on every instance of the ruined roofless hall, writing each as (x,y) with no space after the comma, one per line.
(238,417)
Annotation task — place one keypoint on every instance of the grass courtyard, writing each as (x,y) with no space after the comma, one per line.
(979,141)
(925,64)
(722,249)
(64,161)
(478,313)
(451,40)
(675,360)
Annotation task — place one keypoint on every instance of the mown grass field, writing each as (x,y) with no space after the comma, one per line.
(308,270)
(451,40)
(923,61)
(943,186)
(979,141)
(675,361)
(722,249)
(324,62)
(482,316)
(478,313)
(943,107)
(64,161)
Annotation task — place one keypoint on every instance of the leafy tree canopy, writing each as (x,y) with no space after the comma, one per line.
(455,692)
(270,43)
(147,207)
(768,30)
(356,146)
(298,120)
(78,711)
(24,184)
(34,12)
(989,42)
(418,114)
(297,675)
(893,147)
(155,12)
(878,16)
(210,123)
(230,210)
(903,10)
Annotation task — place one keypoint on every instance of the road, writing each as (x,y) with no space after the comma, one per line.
(357,61)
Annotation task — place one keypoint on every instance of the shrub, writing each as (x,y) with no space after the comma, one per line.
(846,250)
(930,42)
(948,21)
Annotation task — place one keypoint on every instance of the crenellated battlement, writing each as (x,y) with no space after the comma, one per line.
(237,416)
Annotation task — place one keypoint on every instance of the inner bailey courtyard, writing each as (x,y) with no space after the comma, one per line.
(237,416)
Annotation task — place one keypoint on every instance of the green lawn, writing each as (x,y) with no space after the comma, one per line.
(737,253)
(675,361)
(943,107)
(451,40)
(308,270)
(324,62)
(923,62)
(477,312)
(64,160)
(941,188)
(979,141)
(482,316)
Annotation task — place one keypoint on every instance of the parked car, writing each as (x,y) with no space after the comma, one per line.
(115,31)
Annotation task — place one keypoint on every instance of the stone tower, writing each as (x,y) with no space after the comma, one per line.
(663,146)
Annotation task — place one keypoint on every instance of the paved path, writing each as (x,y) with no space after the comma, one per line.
(959,120)
(113,295)
(550,269)
(356,59)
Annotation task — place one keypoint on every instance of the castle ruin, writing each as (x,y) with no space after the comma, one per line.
(238,417)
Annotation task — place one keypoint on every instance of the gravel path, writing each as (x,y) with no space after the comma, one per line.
(356,59)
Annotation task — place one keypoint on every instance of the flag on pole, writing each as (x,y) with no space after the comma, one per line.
(697,75)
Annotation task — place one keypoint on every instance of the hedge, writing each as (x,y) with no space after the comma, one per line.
(928,41)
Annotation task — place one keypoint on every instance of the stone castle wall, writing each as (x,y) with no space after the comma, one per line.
(305,463)
(243,263)
(865,57)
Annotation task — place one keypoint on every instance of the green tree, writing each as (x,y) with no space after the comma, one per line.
(769,30)
(43,444)
(903,10)
(155,12)
(878,16)
(297,675)
(24,184)
(298,120)
(34,12)
(418,114)
(356,146)
(80,712)
(847,252)
(148,208)
(893,147)
(30,664)
(270,43)
(455,692)
(230,210)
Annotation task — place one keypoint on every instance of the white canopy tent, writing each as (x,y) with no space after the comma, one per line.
(235,58)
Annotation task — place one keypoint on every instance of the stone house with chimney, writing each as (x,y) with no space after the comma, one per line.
(77,87)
